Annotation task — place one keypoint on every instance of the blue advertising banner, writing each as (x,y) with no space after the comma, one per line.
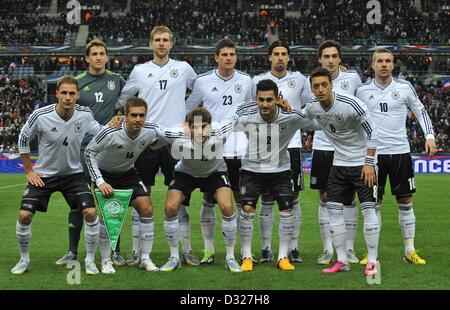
(438,164)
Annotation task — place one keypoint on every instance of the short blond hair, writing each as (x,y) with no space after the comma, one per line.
(161,29)
(381,51)
(95,42)
(67,79)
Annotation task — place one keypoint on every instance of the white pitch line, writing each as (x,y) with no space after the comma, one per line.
(10,186)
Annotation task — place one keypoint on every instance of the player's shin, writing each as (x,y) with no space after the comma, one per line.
(172,230)
(23,236)
(75,219)
(246,233)
(135,230)
(185,228)
(337,229)
(324,223)
(266,220)
(229,229)
(286,231)
(146,234)
(208,224)
(371,230)
(91,233)
(351,223)
(297,213)
(407,221)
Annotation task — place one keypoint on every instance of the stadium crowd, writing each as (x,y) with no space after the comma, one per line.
(211,20)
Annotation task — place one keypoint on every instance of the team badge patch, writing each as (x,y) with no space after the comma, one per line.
(339,118)
(291,83)
(243,190)
(142,144)
(111,85)
(395,94)
(113,206)
(174,73)
(314,180)
(283,127)
(344,85)
(77,126)
(238,88)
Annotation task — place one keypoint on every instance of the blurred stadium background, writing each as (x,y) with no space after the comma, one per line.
(38,45)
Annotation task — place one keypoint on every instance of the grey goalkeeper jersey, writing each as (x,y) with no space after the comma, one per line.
(114,151)
(99,93)
(348,126)
(268,141)
(59,139)
(197,159)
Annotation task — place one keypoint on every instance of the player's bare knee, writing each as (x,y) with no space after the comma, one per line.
(248,209)
(226,208)
(404,200)
(25,217)
(323,196)
(170,209)
(89,214)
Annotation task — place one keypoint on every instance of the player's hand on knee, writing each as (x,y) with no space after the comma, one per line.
(34,178)
(106,189)
(430,147)
(115,121)
(368,174)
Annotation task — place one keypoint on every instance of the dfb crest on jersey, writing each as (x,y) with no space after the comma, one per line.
(174,73)
(243,190)
(339,118)
(77,126)
(142,144)
(313,180)
(291,83)
(238,88)
(395,94)
(111,85)
(344,85)
(283,127)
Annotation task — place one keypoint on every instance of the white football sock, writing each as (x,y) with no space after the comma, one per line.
(23,236)
(378,213)
(351,223)
(324,223)
(185,228)
(407,222)
(229,229)
(172,230)
(208,224)
(371,230)
(297,213)
(285,231)
(337,229)
(246,233)
(266,220)
(146,232)
(91,233)
(135,230)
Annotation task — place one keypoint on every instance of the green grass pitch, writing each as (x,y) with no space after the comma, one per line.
(49,242)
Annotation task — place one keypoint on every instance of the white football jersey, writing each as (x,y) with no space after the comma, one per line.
(114,151)
(345,83)
(348,126)
(268,141)
(196,159)
(389,109)
(59,140)
(218,96)
(163,88)
(295,88)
